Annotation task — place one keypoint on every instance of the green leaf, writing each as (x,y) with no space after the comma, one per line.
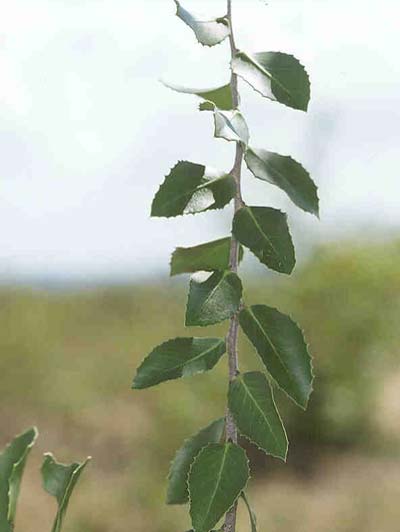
(231,126)
(252,515)
(252,405)
(265,232)
(181,357)
(213,300)
(220,97)
(59,480)
(178,492)
(217,477)
(191,188)
(208,32)
(277,76)
(12,465)
(205,257)
(287,174)
(280,343)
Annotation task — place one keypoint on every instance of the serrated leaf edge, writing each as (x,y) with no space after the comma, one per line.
(317,214)
(186,440)
(303,407)
(219,20)
(249,207)
(270,77)
(204,185)
(284,459)
(226,273)
(234,113)
(162,184)
(241,490)
(222,340)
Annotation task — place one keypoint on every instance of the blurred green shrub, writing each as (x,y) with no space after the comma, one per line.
(71,356)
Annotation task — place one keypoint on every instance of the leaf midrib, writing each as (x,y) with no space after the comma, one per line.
(241,379)
(258,226)
(191,192)
(202,354)
(229,122)
(286,181)
(217,481)
(212,292)
(272,345)
(264,71)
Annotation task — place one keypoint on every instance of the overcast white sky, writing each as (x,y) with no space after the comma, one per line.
(87,132)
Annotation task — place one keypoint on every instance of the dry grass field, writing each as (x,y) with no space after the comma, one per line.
(68,357)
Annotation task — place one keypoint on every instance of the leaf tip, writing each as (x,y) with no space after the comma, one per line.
(136,384)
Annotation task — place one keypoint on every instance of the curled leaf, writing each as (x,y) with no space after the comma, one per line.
(208,32)
(277,76)
(287,174)
(12,465)
(214,300)
(59,480)
(192,188)
(220,97)
(231,126)
(207,257)
(178,492)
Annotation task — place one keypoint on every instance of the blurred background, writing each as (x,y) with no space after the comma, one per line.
(87,133)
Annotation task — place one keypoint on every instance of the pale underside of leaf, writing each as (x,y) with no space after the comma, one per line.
(275,75)
(192,188)
(281,346)
(217,477)
(12,464)
(215,191)
(253,407)
(208,32)
(265,232)
(231,126)
(285,173)
(59,480)
(210,256)
(220,97)
(213,300)
(180,357)
(178,476)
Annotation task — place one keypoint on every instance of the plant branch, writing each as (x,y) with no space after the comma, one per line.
(232,338)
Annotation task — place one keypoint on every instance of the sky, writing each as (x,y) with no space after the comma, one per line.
(88,132)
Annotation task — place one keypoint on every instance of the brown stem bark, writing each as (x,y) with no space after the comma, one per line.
(232,338)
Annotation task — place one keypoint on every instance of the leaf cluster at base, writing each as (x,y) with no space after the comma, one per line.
(59,480)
